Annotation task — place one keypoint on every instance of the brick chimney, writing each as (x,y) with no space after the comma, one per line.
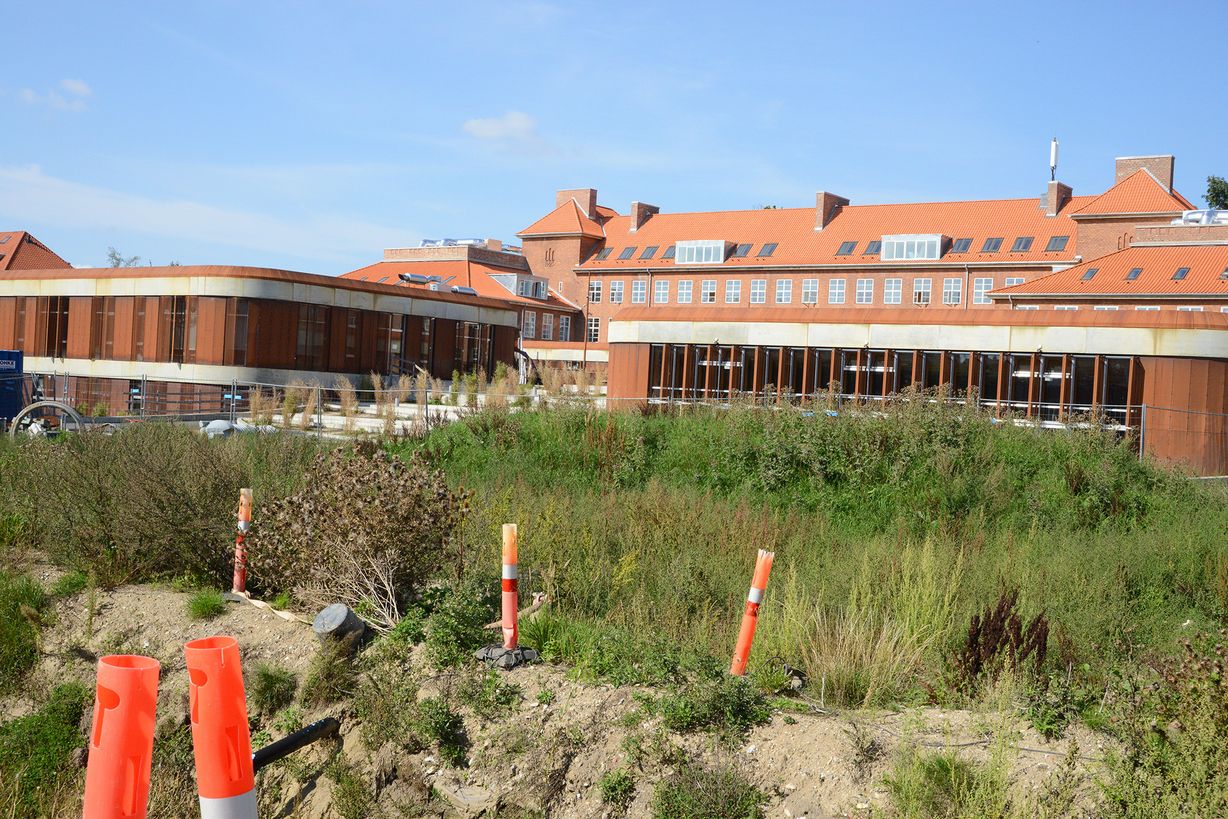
(1161,167)
(826,206)
(641,213)
(494,244)
(1055,198)
(585,197)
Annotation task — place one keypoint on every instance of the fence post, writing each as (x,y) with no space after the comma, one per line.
(319,410)
(144,393)
(1142,434)
(234,392)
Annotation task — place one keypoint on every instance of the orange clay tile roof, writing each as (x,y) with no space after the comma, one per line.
(798,243)
(1140,192)
(567,220)
(457,272)
(21,251)
(604,212)
(1207,276)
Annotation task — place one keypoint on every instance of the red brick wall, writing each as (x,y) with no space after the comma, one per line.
(1100,237)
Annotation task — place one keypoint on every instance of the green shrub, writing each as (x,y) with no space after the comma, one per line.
(698,791)
(271,688)
(367,530)
(730,705)
(351,795)
(617,789)
(330,677)
(70,583)
(21,600)
(943,785)
(488,694)
(206,604)
(457,625)
(34,750)
(436,723)
(411,629)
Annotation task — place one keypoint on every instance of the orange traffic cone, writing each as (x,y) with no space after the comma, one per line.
(225,778)
(239,586)
(121,739)
(510,586)
(746,634)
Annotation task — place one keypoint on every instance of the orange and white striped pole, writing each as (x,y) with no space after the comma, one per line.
(746,634)
(225,778)
(510,586)
(239,585)
(122,737)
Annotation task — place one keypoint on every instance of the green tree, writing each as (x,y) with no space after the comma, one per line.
(1217,192)
(116,259)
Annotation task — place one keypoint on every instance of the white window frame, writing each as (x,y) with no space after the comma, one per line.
(1189,308)
(1011,281)
(704,251)
(784,291)
(707,291)
(835,291)
(865,291)
(981,286)
(911,247)
(1027,306)
(893,291)
(758,291)
(528,326)
(547,326)
(1066,308)
(660,291)
(564,328)
(733,291)
(810,291)
(923,286)
(1151,308)
(952,291)
(684,291)
(1105,307)
(616,292)
(594,291)
(594,329)
(639,291)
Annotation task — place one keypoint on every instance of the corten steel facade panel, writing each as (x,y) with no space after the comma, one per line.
(444,348)
(1187,413)
(8,324)
(210,330)
(80,311)
(124,310)
(628,379)
(505,344)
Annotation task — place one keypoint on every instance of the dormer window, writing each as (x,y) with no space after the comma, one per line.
(906,247)
(701,252)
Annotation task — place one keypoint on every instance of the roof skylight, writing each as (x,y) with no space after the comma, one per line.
(992,245)
(873,247)
(1022,244)
(669,252)
(604,254)
(649,252)
(1056,244)
(961,245)
(627,253)
(846,248)
(741,250)
(1087,275)
(1134,273)
(767,250)
(1181,273)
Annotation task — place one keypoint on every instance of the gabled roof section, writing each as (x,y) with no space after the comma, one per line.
(1140,192)
(797,242)
(566,220)
(21,251)
(1207,275)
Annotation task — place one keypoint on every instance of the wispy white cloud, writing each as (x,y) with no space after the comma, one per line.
(514,126)
(27,195)
(69,95)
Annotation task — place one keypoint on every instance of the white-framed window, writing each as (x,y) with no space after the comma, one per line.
(893,291)
(660,291)
(1148,307)
(784,291)
(1189,308)
(952,290)
(865,291)
(1011,281)
(564,328)
(810,291)
(835,291)
(524,288)
(547,326)
(684,291)
(921,290)
(594,292)
(529,326)
(699,252)
(1027,306)
(707,291)
(980,290)
(639,291)
(1065,307)
(594,329)
(733,291)
(911,246)
(539,290)
(758,291)
(1105,307)
(616,292)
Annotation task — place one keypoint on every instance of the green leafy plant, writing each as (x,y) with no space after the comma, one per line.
(34,750)
(457,625)
(70,583)
(696,791)
(617,789)
(206,604)
(21,601)
(488,694)
(730,705)
(271,688)
(435,722)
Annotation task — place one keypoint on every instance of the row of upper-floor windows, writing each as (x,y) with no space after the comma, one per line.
(529,326)
(835,291)
(1148,308)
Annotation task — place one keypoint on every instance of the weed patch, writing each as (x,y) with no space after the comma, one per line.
(206,604)
(272,688)
(34,749)
(698,791)
(21,600)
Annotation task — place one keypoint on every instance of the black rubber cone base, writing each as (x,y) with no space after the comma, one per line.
(507,658)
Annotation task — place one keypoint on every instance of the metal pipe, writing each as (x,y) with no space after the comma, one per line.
(329,726)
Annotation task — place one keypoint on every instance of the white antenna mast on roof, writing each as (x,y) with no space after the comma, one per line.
(1053,159)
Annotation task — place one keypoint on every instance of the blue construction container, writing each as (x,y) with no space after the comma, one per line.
(12,394)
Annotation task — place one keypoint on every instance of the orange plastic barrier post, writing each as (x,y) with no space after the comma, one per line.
(750,618)
(239,586)
(510,585)
(121,739)
(225,778)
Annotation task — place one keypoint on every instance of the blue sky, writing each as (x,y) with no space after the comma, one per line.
(312,135)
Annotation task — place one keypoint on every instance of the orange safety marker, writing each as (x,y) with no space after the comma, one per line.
(239,586)
(746,634)
(121,739)
(225,778)
(510,586)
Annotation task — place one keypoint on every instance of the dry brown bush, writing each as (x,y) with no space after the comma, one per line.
(366,532)
(347,396)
